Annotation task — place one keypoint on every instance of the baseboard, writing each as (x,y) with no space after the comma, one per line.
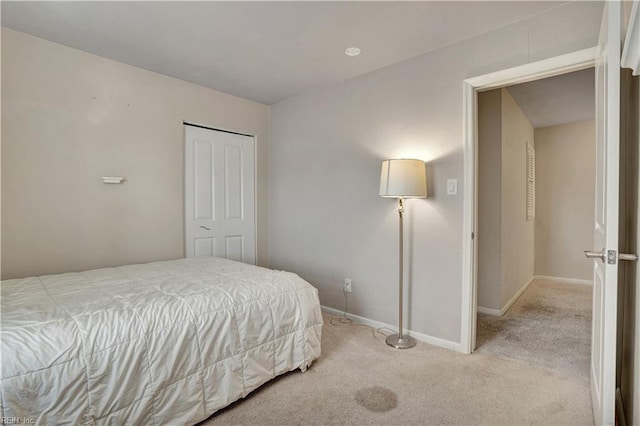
(436,341)
(564,280)
(515,297)
(505,308)
(490,311)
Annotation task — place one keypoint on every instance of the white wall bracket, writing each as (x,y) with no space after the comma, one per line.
(112,179)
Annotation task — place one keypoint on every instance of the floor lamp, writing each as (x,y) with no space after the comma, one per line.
(402,178)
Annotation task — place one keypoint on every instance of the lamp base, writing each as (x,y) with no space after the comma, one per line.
(405,342)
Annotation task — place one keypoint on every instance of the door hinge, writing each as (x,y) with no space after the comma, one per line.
(473,235)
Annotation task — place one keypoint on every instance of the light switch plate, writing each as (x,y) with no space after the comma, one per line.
(452,186)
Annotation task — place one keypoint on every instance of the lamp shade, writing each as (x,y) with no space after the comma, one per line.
(403,178)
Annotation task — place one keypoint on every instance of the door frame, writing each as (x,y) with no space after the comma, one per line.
(562,64)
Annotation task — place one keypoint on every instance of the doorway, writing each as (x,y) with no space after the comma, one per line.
(219,194)
(536,197)
(575,61)
(536,192)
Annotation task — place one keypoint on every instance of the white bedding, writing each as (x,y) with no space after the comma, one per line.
(160,343)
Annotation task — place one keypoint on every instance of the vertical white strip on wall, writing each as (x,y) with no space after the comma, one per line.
(531,182)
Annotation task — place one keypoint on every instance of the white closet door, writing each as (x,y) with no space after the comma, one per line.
(219,194)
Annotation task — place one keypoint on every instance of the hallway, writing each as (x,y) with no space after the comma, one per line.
(548,326)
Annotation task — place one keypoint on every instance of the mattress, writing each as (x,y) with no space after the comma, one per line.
(160,343)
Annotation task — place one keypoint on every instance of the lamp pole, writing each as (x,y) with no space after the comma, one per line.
(401,268)
(400,341)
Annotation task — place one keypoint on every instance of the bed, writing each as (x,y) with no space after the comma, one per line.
(160,343)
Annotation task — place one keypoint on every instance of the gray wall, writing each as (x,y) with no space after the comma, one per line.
(68,118)
(565,196)
(326,219)
(505,236)
(490,199)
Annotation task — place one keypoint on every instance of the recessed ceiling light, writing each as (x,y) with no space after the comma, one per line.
(353,51)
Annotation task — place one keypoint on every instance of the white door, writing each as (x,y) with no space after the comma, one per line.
(219,194)
(605,237)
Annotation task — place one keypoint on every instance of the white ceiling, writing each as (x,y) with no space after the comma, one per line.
(557,100)
(264,51)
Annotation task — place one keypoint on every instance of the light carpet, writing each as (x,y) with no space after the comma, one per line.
(359,380)
(549,326)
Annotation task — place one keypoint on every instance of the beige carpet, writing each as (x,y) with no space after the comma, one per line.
(549,326)
(361,381)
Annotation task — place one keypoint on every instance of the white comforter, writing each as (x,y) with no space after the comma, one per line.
(160,343)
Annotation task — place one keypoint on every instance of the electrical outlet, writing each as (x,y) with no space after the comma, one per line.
(347,285)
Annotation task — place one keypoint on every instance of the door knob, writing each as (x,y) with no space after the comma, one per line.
(610,256)
(596,255)
(204,227)
(625,256)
